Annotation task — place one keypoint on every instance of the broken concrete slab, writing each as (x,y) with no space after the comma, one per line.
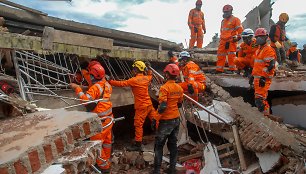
(268,160)
(56,168)
(212,161)
(278,84)
(33,142)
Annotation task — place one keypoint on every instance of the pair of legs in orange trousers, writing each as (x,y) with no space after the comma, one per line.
(226,49)
(261,94)
(196,37)
(106,138)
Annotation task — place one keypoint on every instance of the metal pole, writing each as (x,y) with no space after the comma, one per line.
(56,96)
(72,106)
(18,76)
(197,103)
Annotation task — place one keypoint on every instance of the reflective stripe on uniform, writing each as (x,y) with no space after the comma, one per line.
(259,61)
(259,96)
(232,66)
(268,58)
(195,72)
(80,94)
(107,146)
(219,67)
(190,78)
(100,88)
(105,113)
(89,97)
(231,53)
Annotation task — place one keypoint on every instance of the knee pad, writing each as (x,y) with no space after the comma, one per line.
(259,104)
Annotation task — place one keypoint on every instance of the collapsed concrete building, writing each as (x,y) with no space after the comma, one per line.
(41,133)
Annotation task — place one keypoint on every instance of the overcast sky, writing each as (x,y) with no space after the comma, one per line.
(166,19)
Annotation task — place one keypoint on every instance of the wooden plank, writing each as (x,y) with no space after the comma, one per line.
(192,156)
(239,148)
(232,152)
(23,7)
(50,35)
(223,146)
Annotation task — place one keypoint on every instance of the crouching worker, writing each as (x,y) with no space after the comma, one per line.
(142,101)
(170,96)
(100,89)
(293,53)
(263,71)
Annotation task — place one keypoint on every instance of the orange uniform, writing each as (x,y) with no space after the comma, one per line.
(171,93)
(196,20)
(263,56)
(230,28)
(294,54)
(193,75)
(246,55)
(142,101)
(101,89)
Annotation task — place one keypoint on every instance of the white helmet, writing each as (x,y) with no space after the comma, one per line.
(184,54)
(247,32)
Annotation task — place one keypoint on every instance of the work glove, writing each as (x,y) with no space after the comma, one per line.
(251,80)
(108,78)
(236,38)
(278,45)
(190,89)
(195,29)
(262,82)
(153,125)
(204,30)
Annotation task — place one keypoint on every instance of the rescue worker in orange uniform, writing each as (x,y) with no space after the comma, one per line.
(100,89)
(196,23)
(263,71)
(231,30)
(194,78)
(245,59)
(172,57)
(142,101)
(293,53)
(170,96)
(278,36)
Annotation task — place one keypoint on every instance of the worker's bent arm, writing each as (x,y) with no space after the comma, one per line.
(92,94)
(190,19)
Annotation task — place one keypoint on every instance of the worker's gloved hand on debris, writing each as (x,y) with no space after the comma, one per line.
(271,65)
(262,82)
(236,38)
(162,107)
(195,29)
(190,89)
(73,86)
(153,125)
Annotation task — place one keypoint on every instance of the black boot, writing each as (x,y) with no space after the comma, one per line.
(135,147)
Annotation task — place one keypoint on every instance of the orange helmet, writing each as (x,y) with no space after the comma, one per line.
(97,71)
(92,63)
(199,2)
(261,32)
(172,69)
(227,8)
(283,17)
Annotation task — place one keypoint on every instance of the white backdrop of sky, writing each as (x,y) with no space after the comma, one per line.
(166,19)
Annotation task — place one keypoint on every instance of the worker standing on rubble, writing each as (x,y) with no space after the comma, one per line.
(278,36)
(303,53)
(100,89)
(293,53)
(196,23)
(263,71)
(170,96)
(142,101)
(245,59)
(172,57)
(231,30)
(194,78)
